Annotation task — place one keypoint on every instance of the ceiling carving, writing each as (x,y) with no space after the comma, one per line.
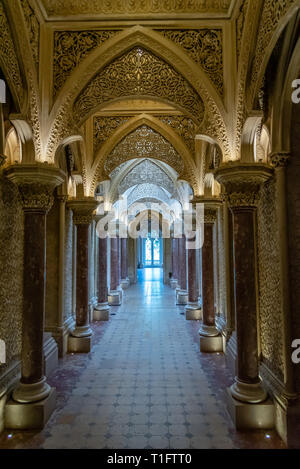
(139,73)
(205,47)
(146,172)
(144,142)
(184,127)
(134,7)
(104,127)
(70,48)
(147,191)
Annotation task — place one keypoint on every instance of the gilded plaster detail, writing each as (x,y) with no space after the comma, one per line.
(184,127)
(104,127)
(33,27)
(139,73)
(70,49)
(270,313)
(205,47)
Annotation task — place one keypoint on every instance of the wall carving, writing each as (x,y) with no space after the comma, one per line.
(146,191)
(11,261)
(70,48)
(184,127)
(139,73)
(144,142)
(33,27)
(271,15)
(104,127)
(8,56)
(271,321)
(205,48)
(117,7)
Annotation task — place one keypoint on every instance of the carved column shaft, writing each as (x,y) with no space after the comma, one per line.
(175,258)
(61,286)
(208,300)
(182,263)
(193,293)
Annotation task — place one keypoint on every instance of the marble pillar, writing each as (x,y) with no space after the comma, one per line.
(124,264)
(33,399)
(181,293)
(242,184)
(101,311)
(174,279)
(210,338)
(114,297)
(80,339)
(192,310)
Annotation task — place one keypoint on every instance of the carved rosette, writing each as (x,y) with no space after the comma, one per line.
(280,159)
(242,183)
(36,183)
(83,210)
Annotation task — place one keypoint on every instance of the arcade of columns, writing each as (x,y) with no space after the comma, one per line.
(240,160)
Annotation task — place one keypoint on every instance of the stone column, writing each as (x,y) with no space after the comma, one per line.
(242,184)
(181,293)
(2,129)
(61,335)
(192,310)
(210,337)
(36,183)
(174,279)
(114,297)
(101,311)
(124,264)
(80,339)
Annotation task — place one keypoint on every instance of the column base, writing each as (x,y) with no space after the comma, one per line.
(125,283)
(81,332)
(251,416)
(193,312)
(79,344)
(32,416)
(115,298)
(211,344)
(173,283)
(249,393)
(101,312)
(50,354)
(182,297)
(208,331)
(30,393)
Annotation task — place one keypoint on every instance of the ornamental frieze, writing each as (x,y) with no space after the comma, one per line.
(117,7)
(139,73)
(70,48)
(204,46)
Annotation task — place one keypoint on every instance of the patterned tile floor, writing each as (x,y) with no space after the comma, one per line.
(144,385)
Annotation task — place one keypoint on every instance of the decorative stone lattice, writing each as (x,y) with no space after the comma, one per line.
(104,127)
(144,142)
(139,73)
(146,172)
(184,127)
(205,47)
(70,48)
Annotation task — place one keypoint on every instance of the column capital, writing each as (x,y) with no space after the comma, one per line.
(36,183)
(242,182)
(83,210)
(2,160)
(280,159)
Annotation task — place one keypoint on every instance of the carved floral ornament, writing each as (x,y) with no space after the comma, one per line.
(139,73)
(144,142)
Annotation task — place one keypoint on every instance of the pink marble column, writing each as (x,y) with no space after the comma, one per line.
(36,184)
(175,261)
(114,264)
(124,264)
(181,292)
(101,311)
(192,310)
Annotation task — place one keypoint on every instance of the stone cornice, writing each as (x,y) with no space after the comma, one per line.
(242,182)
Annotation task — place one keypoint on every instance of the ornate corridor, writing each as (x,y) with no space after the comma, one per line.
(139,134)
